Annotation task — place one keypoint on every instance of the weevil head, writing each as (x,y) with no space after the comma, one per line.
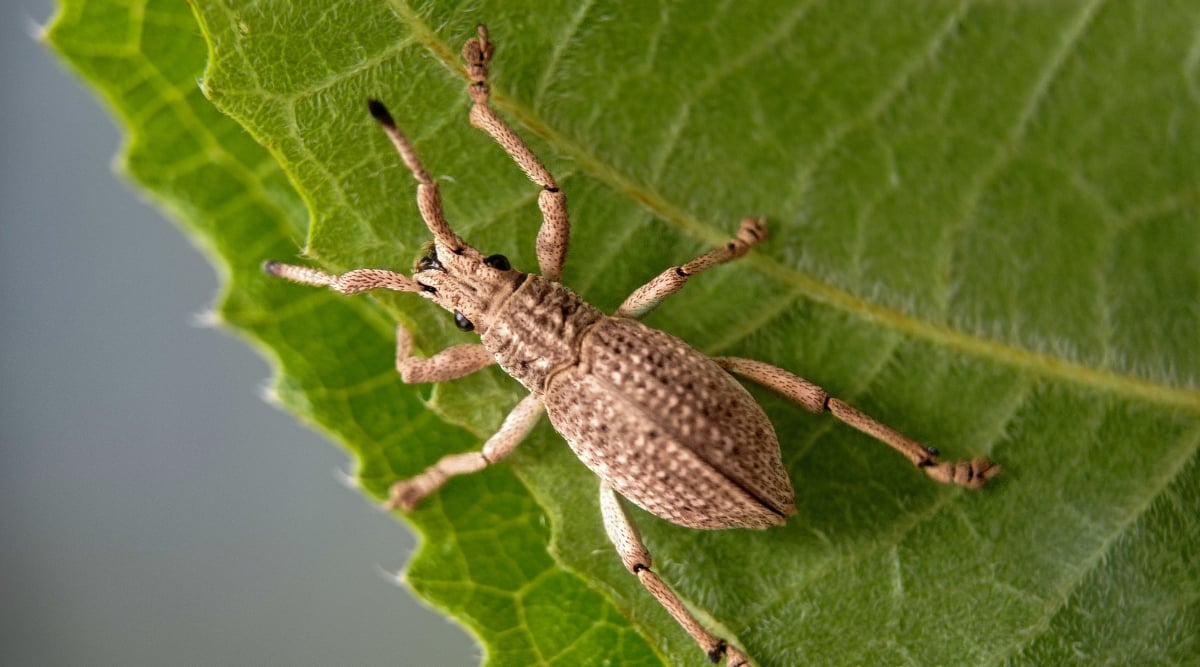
(450,273)
(465,282)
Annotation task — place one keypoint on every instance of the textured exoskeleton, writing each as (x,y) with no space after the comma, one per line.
(659,422)
(669,429)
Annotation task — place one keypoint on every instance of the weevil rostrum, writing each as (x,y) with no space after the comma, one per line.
(661,424)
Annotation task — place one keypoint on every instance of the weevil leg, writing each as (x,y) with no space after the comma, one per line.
(625,537)
(647,297)
(553,237)
(409,493)
(972,474)
(449,364)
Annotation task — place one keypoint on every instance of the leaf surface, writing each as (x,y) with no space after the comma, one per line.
(984,222)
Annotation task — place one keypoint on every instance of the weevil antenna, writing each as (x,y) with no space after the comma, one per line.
(351,282)
(428,199)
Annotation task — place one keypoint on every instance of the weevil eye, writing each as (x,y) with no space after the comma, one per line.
(429,262)
(462,323)
(429,259)
(499,262)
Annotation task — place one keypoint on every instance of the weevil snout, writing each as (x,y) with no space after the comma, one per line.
(465,282)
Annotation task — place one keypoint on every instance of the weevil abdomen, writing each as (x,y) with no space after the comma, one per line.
(670,430)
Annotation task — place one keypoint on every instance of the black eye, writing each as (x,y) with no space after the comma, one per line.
(462,323)
(429,259)
(429,262)
(499,262)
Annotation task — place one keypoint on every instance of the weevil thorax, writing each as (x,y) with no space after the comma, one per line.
(538,331)
(466,282)
(532,325)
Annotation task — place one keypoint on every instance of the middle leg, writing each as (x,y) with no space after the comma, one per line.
(647,297)
(408,493)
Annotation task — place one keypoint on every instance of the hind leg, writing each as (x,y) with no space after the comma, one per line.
(972,474)
(636,557)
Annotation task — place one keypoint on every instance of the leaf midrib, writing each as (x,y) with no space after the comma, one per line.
(1032,361)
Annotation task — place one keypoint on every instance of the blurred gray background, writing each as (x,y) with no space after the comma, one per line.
(153,509)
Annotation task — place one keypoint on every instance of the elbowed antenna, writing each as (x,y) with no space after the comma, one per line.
(428,200)
(350,282)
(399,140)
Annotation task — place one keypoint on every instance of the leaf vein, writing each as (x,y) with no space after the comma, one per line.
(1189,449)
(1041,362)
(697,92)
(561,45)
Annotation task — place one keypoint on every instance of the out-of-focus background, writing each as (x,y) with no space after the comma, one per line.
(153,508)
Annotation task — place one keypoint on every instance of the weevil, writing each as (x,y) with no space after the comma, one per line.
(661,424)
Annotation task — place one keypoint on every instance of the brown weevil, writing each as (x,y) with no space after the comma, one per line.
(661,424)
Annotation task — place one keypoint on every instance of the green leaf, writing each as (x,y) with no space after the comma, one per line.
(985,231)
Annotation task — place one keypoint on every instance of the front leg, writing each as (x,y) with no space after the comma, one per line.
(554,236)
(625,537)
(449,364)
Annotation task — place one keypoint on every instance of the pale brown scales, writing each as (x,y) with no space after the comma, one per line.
(670,430)
(536,330)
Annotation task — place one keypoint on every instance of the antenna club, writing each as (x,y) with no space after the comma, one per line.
(380,113)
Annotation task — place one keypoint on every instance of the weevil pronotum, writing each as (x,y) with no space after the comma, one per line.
(660,423)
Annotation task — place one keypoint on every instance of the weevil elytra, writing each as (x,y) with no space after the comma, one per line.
(661,424)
